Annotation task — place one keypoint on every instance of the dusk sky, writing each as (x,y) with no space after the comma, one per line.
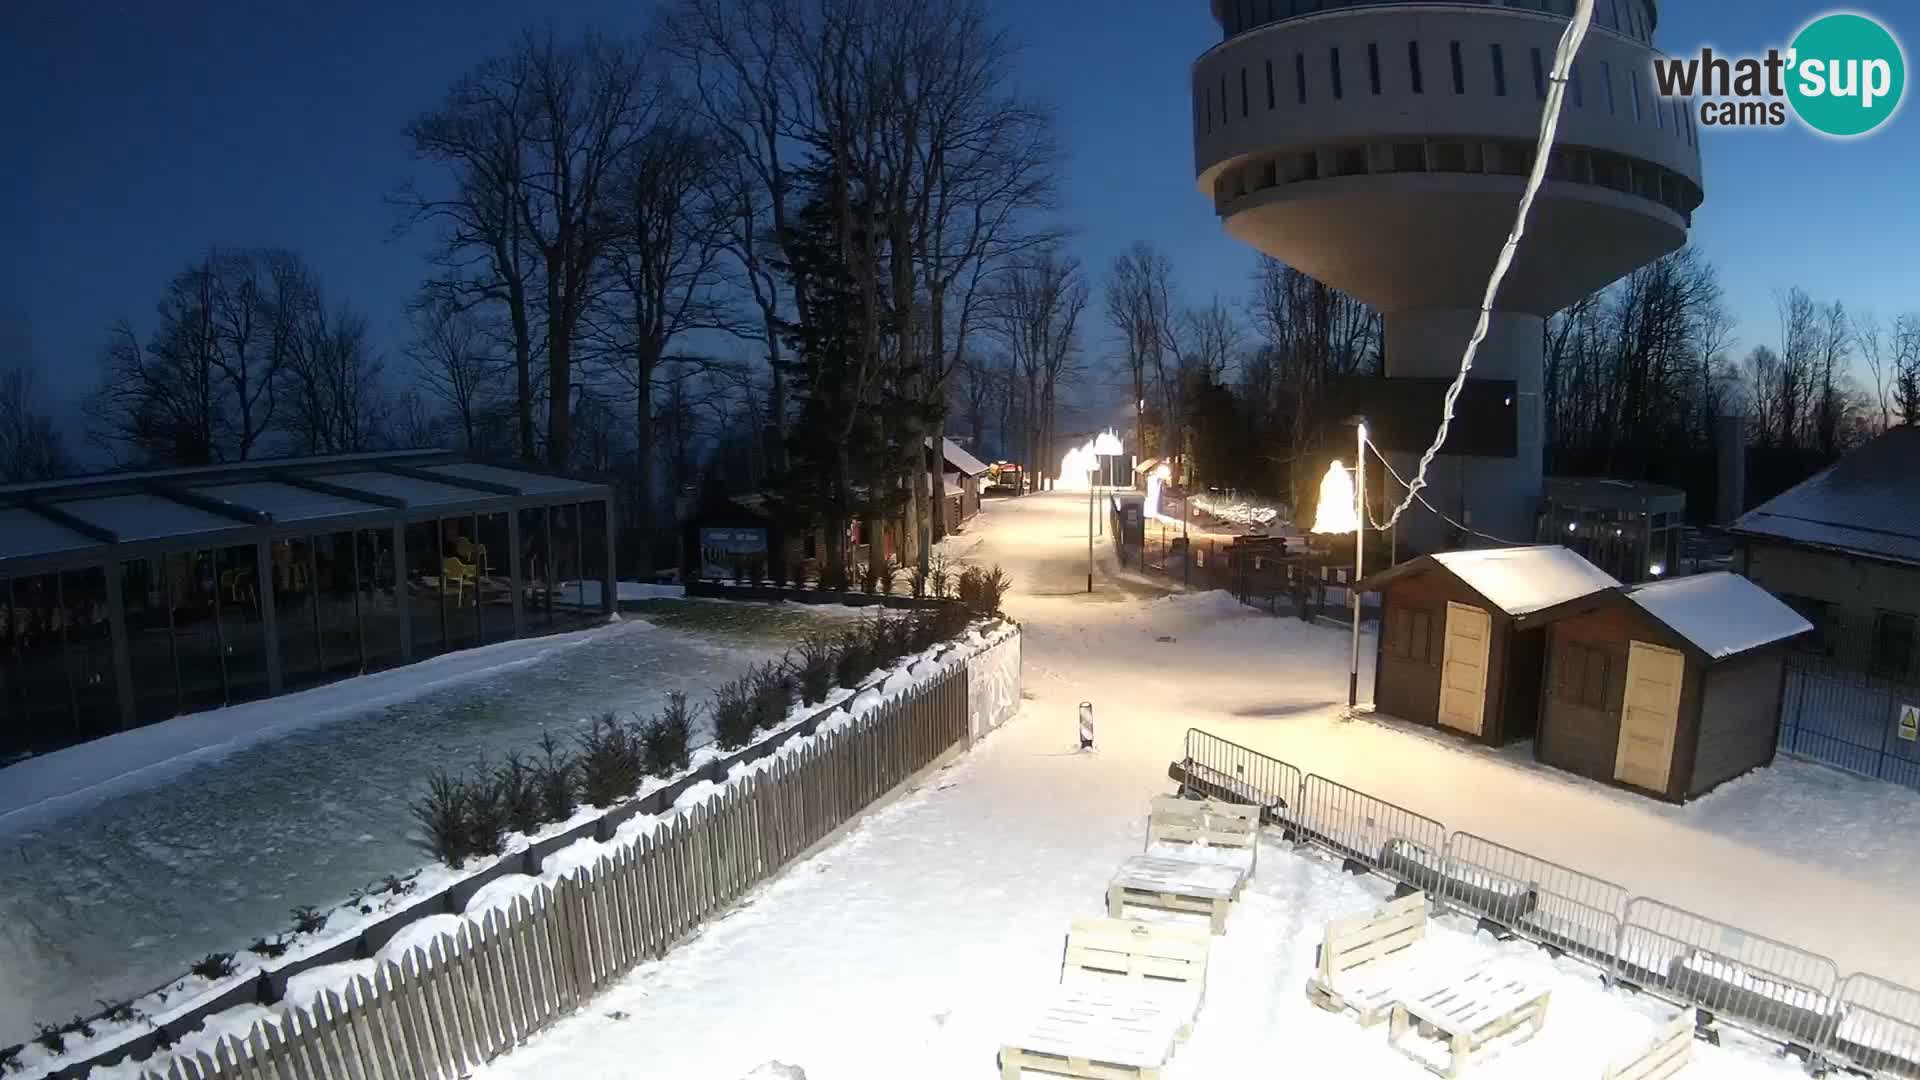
(150,131)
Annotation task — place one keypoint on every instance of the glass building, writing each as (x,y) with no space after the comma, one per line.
(1630,530)
(129,598)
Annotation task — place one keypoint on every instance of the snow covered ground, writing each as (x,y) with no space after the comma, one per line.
(124,860)
(909,948)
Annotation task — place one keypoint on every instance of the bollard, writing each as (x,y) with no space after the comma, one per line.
(1086,725)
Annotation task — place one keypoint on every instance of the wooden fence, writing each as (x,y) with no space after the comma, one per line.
(436,1012)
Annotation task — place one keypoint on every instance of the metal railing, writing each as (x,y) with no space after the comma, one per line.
(1537,899)
(1735,977)
(1757,982)
(1220,769)
(1879,1027)
(1385,837)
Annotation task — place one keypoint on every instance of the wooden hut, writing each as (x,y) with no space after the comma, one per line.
(1670,688)
(1461,646)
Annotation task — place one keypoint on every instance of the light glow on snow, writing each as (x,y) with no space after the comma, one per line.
(1336,513)
(1081,464)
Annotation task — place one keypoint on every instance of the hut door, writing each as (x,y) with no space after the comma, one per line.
(1463,668)
(1651,716)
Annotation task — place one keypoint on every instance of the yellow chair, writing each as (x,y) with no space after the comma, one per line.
(457,575)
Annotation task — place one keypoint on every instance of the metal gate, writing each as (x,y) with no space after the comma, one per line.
(1848,718)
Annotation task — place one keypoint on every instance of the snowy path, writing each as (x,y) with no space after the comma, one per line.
(909,948)
(111,891)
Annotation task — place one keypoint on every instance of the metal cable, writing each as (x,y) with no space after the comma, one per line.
(1576,32)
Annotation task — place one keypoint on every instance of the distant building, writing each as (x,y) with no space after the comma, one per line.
(1630,530)
(128,598)
(1381,147)
(961,475)
(1843,549)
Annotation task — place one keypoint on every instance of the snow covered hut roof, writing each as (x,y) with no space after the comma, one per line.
(1722,614)
(1853,504)
(958,458)
(1520,580)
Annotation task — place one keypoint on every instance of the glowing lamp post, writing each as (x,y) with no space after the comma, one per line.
(1104,445)
(1343,509)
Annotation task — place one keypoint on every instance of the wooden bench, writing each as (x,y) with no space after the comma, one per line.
(1170,884)
(1163,963)
(1094,1035)
(1670,1051)
(1205,830)
(1369,962)
(1468,1015)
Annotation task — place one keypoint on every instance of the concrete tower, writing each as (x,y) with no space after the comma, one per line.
(1383,147)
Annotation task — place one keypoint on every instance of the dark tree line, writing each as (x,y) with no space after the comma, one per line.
(1635,377)
(755,247)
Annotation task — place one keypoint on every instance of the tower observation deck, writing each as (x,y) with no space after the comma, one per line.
(1383,147)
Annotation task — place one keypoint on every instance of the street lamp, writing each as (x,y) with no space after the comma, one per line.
(1335,517)
(1105,444)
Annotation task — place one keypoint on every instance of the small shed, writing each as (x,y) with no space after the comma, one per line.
(961,475)
(1461,644)
(1670,688)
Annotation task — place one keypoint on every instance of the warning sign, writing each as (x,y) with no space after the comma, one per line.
(1910,722)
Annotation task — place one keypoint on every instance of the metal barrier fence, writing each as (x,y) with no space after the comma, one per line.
(1879,1028)
(1753,981)
(1383,836)
(1743,979)
(437,1012)
(1536,899)
(1226,770)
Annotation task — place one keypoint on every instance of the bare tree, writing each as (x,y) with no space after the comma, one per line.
(204,385)
(531,141)
(1139,298)
(667,263)
(30,445)
(331,392)
(1870,338)
(452,357)
(1035,313)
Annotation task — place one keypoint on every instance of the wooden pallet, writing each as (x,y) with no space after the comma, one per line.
(1670,1050)
(1157,963)
(1210,830)
(1468,1015)
(1369,962)
(1168,884)
(1093,1034)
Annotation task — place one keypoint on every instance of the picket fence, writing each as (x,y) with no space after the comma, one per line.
(1769,987)
(439,1011)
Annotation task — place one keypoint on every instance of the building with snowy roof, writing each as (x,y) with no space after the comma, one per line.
(1462,643)
(961,475)
(1843,549)
(1670,688)
(129,598)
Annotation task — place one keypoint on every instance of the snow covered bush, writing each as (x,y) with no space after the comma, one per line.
(813,663)
(854,659)
(554,775)
(486,814)
(734,715)
(214,965)
(519,786)
(271,950)
(772,694)
(442,816)
(887,576)
(309,920)
(939,572)
(612,761)
(981,591)
(919,583)
(667,739)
